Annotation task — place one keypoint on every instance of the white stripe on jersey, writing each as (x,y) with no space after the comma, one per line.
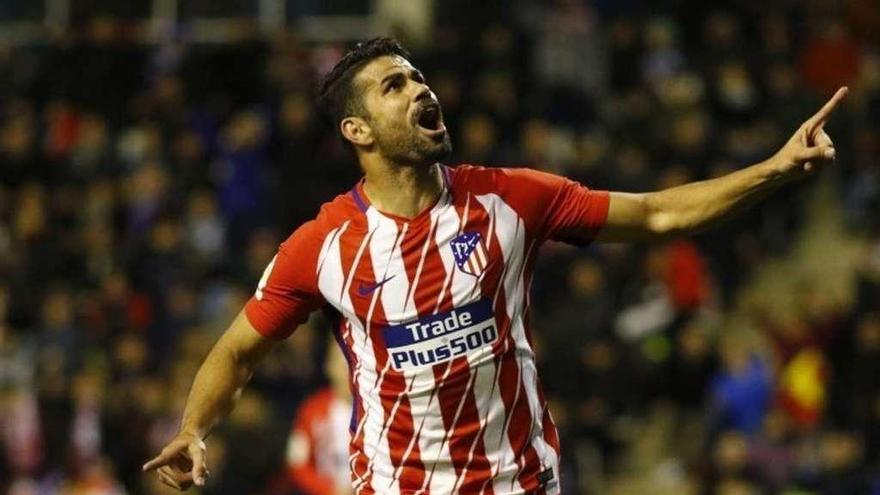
(330,279)
(516,257)
(387,262)
(464,396)
(421,395)
(265,278)
(328,241)
(510,231)
(548,455)
(485,379)
(424,401)
(493,414)
(465,287)
(411,312)
(480,359)
(345,295)
(351,271)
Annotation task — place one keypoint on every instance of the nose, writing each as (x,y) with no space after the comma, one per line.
(424,93)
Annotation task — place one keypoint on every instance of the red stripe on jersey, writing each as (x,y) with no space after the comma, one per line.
(519,417)
(425,273)
(452,379)
(531,464)
(456,395)
(492,286)
(357,464)
(432,277)
(388,388)
(454,384)
(350,243)
(406,458)
(468,436)
(519,421)
(528,274)
(551,435)
(391,385)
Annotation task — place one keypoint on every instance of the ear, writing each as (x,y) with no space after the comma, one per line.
(356,130)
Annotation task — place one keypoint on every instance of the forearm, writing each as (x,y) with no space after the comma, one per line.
(692,207)
(217,385)
(222,376)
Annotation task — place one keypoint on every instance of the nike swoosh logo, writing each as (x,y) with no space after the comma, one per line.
(366,290)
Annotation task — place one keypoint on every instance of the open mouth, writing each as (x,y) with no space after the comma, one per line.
(431,120)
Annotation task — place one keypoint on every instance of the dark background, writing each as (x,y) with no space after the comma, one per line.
(149,173)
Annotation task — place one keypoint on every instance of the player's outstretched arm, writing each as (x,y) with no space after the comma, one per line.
(695,206)
(217,385)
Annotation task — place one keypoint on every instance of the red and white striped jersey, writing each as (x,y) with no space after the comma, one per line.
(435,327)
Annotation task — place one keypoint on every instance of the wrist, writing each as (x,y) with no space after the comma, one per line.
(775,169)
(192,431)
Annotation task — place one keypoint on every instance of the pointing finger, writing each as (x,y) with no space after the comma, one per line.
(160,460)
(819,119)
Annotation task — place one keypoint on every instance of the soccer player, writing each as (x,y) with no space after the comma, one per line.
(430,267)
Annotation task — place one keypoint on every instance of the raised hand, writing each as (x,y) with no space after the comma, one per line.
(181,463)
(810,146)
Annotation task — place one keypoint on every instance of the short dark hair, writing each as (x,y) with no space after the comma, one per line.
(339,97)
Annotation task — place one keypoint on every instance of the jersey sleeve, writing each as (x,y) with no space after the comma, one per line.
(555,207)
(288,290)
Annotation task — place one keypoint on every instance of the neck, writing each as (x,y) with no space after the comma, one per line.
(403,191)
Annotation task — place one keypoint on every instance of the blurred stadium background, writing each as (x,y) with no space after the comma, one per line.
(155,152)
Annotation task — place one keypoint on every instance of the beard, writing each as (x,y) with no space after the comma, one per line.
(406,145)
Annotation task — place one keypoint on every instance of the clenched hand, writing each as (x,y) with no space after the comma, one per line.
(181,463)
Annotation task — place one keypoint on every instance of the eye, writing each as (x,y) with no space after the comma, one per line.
(394,84)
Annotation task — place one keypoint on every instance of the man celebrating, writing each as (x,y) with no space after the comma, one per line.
(430,268)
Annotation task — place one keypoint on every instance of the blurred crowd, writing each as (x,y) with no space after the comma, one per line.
(146,186)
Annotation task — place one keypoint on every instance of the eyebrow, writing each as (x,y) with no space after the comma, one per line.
(399,73)
(391,76)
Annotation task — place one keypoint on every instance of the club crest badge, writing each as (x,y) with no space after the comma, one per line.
(470,253)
